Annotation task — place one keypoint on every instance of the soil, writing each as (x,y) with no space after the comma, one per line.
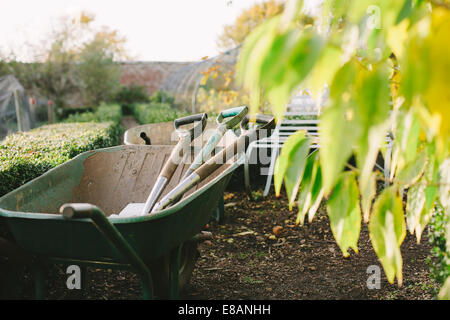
(245,260)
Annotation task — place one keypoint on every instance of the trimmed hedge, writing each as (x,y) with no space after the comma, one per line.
(27,155)
(156,112)
(104,113)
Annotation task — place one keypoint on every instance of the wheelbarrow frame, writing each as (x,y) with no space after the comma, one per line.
(134,243)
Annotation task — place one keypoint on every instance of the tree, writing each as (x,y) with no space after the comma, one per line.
(97,71)
(75,58)
(235,34)
(387,63)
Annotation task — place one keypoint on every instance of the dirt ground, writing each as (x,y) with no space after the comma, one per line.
(245,261)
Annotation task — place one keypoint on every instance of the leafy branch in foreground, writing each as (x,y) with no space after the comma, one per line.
(387,64)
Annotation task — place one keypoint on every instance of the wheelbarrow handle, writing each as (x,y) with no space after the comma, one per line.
(195,131)
(113,236)
(78,210)
(144,137)
(235,114)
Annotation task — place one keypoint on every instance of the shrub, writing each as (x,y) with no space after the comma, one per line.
(156,112)
(131,94)
(163,97)
(127,96)
(27,155)
(67,112)
(104,113)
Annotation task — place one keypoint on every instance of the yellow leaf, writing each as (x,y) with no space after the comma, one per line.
(397,36)
(387,231)
(437,94)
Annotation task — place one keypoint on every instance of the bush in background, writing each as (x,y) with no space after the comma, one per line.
(156,112)
(127,96)
(104,113)
(163,97)
(27,155)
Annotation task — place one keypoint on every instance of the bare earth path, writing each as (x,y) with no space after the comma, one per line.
(128,122)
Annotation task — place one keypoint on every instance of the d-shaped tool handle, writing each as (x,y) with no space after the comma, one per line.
(265,122)
(197,129)
(235,116)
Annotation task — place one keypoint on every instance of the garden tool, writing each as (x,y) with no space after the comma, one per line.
(185,139)
(267,124)
(226,120)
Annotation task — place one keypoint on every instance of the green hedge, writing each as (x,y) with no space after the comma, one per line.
(104,113)
(156,112)
(27,155)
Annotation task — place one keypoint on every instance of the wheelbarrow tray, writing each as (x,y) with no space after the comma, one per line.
(109,178)
(164,134)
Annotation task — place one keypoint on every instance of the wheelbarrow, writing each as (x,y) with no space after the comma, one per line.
(161,248)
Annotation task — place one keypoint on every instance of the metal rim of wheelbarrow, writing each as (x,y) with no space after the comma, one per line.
(123,220)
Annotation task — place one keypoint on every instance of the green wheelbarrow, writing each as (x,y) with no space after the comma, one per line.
(62,217)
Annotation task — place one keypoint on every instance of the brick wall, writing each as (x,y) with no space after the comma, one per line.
(148,74)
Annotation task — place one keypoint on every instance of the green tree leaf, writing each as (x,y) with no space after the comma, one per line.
(368,192)
(406,141)
(291,165)
(387,231)
(296,52)
(337,136)
(324,71)
(412,171)
(405,11)
(344,213)
(444,185)
(338,130)
(282,162)
(305,195)
(372,113)
(317,193)
(415,205)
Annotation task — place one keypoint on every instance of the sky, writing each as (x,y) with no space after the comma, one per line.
(156,30)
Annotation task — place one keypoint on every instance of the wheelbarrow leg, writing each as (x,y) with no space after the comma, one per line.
(174,267)
(147,289)
(219,212)
(83,292)
(39,281)
(115,239)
